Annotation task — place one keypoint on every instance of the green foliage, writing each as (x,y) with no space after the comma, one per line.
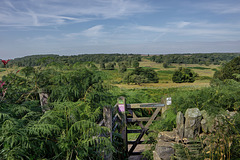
(71,86)
(78,127)
(110,66)
(135,64)
(165,65)
(102,65)
(68,131)
(17,87)
(203,78)
(184,151)
(167,121)
(122,67)
(2,70)
(77,94)
(184,75)
(229,70)
(88,65)
(45,60)
(200,58)
(140,75)
(213,99)
(223,143)
(201,68)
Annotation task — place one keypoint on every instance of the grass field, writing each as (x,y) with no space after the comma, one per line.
(196,84)
(165,75)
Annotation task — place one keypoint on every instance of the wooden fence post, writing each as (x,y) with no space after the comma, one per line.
(43,96)
(107,117)
(166,101)
(122,109)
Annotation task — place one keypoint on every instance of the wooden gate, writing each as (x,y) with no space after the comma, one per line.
(122,114)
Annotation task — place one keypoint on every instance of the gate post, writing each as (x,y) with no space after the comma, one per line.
(122,109)
(107,117)
(43,96)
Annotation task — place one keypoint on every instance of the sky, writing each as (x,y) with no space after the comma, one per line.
(71,27)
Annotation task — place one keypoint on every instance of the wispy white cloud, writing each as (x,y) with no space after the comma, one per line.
(152,29)
(181,24)
(219,7)
(195,29)
(52,12)
(94,31)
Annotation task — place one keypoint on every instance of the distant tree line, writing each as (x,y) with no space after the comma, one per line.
(36,60)
(207,58)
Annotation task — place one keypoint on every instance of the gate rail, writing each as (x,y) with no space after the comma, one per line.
(116,118)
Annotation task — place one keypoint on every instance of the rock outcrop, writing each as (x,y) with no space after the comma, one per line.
(193,119)
(164,147)
(180,125)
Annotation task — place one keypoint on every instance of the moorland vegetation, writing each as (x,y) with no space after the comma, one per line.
(79,87)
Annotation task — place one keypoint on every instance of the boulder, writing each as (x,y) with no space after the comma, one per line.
(156,156)
(231,114)
(204,114)
(180,125)
(193,119)
(204,121)
(204,125)
(207,123)
(167,136)
(164,150)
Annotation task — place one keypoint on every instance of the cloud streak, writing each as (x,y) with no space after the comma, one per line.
(94,31)
(52,12)
(219,7)
(197,30)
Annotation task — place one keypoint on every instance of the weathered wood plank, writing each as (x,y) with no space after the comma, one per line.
(132,142)
(101,123)
(107,116)
(140,119)
(132,113)
(136,153)
(134,116)
(136,142)
(122,109)
(145,105)
(115,108)
(134,131)
(114,128)
(115,118)
(152,118)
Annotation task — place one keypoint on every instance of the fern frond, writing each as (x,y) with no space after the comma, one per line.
(43,130)
(99,144)
(4,116)
(20,110)
(87,129)
(7,125)
(31,116)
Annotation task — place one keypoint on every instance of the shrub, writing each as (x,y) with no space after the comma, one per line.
(140,75)
(184,75)
(229,70)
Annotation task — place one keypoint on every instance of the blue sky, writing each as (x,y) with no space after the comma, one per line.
(69,27)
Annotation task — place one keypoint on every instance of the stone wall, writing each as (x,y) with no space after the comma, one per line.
(188,128)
